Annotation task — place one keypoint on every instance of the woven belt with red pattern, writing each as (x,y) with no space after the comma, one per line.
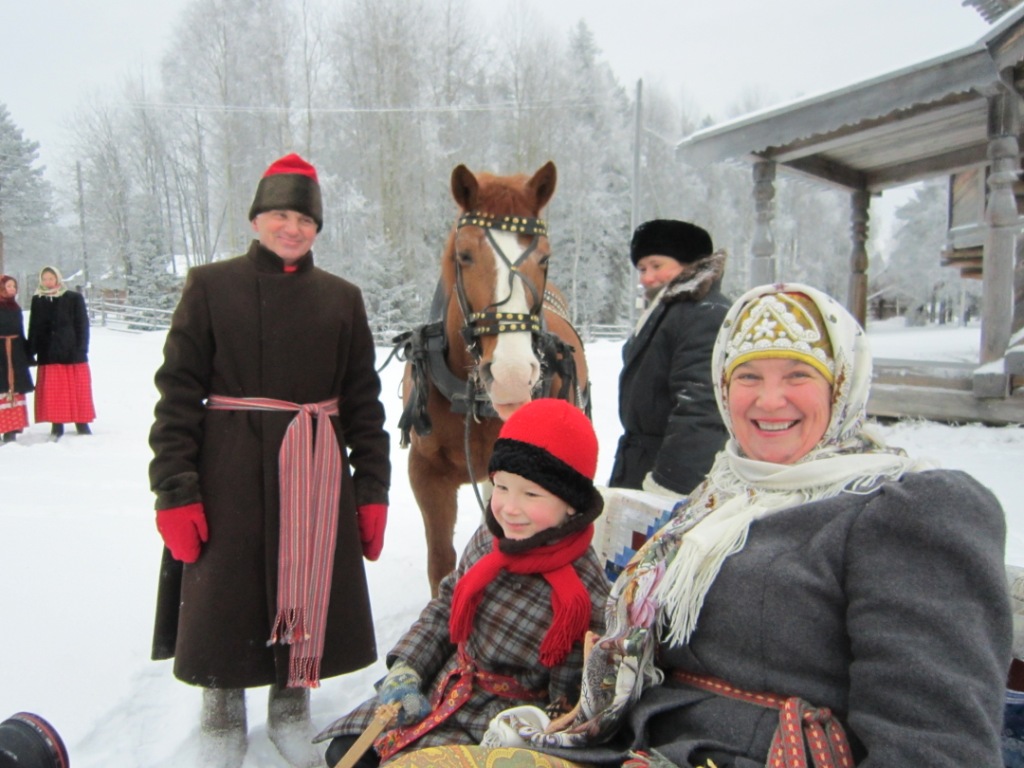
(804,731)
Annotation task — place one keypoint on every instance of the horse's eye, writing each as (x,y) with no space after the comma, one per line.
(465,258)
(545,259)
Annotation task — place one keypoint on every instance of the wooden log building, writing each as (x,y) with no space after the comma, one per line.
(956,116)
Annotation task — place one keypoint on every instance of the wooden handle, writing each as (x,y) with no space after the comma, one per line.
(385,714)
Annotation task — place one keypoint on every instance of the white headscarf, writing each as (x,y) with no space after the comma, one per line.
(739,490)
(58,290)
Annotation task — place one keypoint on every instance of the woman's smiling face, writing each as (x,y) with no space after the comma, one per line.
(780,408)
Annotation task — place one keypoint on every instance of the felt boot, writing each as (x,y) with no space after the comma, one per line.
(56,432)
(83,429)
(222,733)
(290,727)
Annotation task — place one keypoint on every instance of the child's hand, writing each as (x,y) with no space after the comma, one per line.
(402,684)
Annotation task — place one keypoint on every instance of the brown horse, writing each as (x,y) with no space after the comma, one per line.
(500,338)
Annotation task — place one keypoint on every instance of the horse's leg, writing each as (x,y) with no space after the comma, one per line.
(436,494)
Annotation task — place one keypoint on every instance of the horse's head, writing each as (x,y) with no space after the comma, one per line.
(496,264)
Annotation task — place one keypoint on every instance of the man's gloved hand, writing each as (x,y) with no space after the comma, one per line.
(184,530)
(373,518)
(402,684)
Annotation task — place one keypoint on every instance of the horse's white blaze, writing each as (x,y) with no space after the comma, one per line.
(514,366)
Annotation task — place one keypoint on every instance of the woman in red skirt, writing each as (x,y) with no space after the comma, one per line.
(58,338)
(15,377)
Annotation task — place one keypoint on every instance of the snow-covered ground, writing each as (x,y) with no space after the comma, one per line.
(79,554)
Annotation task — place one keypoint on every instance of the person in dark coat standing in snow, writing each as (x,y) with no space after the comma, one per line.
(15,376)
(58,339)
(672,429)
(268,440)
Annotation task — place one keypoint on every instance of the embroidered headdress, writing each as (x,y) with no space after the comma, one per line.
(785,325)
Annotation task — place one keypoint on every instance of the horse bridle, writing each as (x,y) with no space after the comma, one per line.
(491,320)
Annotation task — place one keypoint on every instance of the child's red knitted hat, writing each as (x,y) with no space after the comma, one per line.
(552,443)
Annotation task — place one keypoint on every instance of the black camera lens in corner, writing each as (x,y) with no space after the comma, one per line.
(29,741)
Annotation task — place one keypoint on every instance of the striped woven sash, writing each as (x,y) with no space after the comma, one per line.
(806,736)
(9,354)
(310,479)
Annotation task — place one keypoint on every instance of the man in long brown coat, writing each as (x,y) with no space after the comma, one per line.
(265,352)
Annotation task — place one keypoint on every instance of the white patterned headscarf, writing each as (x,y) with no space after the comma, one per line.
(58,290)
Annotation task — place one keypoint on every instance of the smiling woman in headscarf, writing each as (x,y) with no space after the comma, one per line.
(58,337)
(817,578)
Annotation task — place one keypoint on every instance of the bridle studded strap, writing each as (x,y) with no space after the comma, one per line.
(490,320)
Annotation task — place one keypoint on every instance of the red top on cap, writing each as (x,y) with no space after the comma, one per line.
(292,164)
(559,428)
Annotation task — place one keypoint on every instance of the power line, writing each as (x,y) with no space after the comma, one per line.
(497,107)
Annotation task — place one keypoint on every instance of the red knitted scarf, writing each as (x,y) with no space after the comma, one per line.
(570,600)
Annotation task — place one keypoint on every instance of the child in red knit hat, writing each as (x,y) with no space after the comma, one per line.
(507,625)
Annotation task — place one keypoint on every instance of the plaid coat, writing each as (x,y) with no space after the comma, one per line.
(244,328)
(508,628)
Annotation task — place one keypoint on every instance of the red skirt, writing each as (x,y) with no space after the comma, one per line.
(13,414)
(64,394)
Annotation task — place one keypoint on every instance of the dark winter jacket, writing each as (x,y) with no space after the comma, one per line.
(12,323)
(245,328)
(666,402)
(58,329)
(510,622)
(890,608)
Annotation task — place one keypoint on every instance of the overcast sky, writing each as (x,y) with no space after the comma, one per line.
(54,54)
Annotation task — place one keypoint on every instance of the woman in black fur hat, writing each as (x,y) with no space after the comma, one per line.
(672,429)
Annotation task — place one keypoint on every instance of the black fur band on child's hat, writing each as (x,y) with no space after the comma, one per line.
(289,184)
(553,444)
(680,240)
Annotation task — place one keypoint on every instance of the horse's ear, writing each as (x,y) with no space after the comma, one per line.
(464,187)
(543,184)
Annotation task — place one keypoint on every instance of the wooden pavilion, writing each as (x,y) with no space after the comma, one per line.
(955,116)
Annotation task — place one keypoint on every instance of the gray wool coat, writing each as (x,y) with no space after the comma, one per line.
(244,328)
(889,608)
(510,623)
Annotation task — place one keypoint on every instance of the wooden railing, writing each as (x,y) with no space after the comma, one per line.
(940,391)
(128,317)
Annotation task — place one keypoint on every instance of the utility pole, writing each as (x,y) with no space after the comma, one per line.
(81,229)
(634,214)
(2,270)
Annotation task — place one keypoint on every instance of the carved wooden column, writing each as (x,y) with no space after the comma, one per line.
(1001,233)
(762,262)
(857,293)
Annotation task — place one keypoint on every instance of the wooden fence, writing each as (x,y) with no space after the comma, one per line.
(112,314)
